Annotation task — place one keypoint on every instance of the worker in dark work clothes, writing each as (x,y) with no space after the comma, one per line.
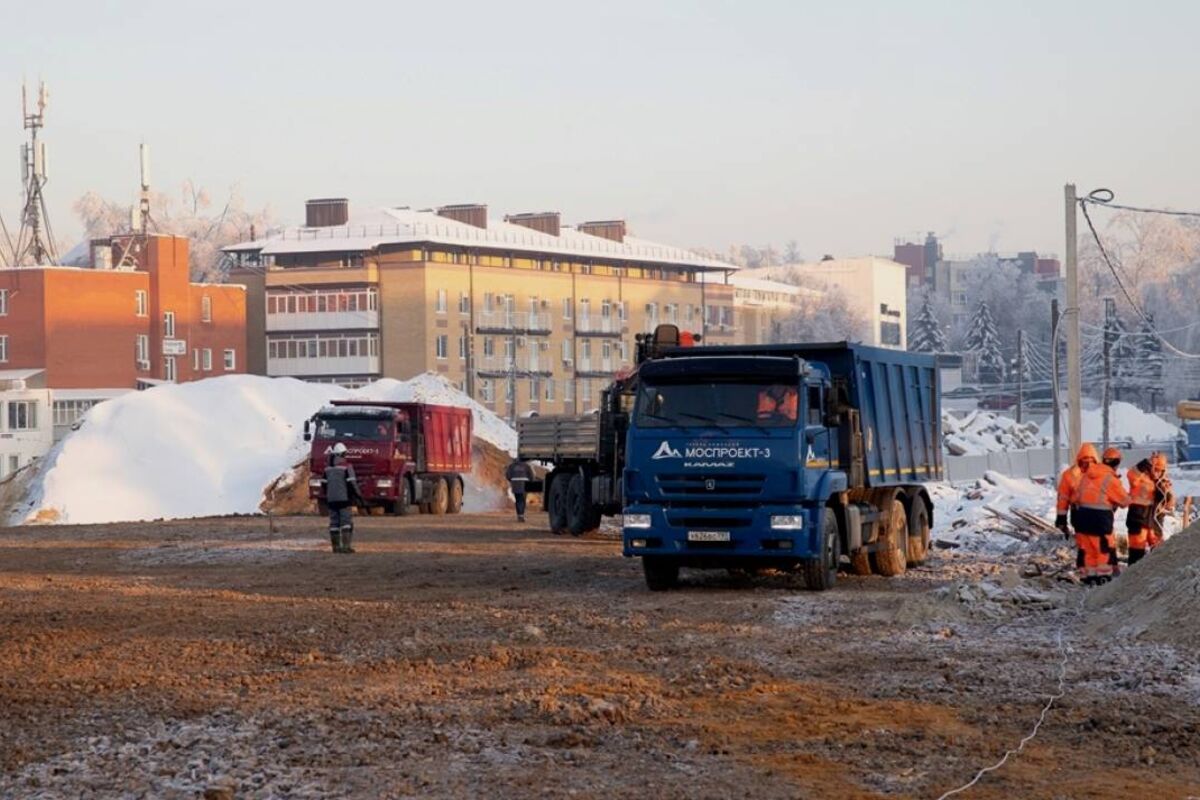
(519,474)
(341,491)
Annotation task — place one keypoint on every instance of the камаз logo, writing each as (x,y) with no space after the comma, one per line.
(665,451)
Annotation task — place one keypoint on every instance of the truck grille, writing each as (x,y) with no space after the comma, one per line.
(710,485)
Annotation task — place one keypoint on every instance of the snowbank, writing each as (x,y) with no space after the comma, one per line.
(962,520)
(1127,423)
(981,432)
(204,448)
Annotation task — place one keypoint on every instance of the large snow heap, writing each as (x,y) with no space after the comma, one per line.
(204,448)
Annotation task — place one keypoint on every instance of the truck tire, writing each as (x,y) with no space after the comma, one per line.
(581,516)
(661,573)
(556,504)
(454,486)
(860,563)
(918,533)
(403,504)
(440,502)
(820,573)
(889,558)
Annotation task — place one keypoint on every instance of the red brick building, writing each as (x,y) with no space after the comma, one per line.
(100,326)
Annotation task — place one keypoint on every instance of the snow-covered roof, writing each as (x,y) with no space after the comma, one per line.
(391,226)
(19,374)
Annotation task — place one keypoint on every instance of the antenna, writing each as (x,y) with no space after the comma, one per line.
(144,202)
(35,240)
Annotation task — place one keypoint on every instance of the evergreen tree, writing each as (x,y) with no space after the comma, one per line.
(983,340)
(927,335)
(1122,354)
(1149,365)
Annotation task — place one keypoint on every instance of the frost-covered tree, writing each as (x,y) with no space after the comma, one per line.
(823,317)
(207,227)
(925,334)
(1149,363)
(1122,355)
(983,340)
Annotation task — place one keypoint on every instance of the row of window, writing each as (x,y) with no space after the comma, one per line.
(534,346)
(354,345)
(141,304)
(68,412)
(323,301)
(655,313)
(542,390)
(21,415)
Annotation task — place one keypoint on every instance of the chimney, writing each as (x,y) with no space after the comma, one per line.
(612,229)
(540,221)
(326,212)
(468,213)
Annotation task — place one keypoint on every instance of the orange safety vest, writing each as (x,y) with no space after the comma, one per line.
(1067,485)
(1099,493)
(788,406)
(1141,488)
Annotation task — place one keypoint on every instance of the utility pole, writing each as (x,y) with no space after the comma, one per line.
(1020,373)
(1054,384)
(1110,310)
(1074,377)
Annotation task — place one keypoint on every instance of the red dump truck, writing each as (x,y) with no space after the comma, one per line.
(404,454)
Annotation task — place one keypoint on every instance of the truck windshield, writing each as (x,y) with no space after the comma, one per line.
(717,404)
(376,430)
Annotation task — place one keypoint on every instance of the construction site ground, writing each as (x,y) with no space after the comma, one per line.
(471,656)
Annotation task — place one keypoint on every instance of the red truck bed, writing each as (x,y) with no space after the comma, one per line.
(443,431)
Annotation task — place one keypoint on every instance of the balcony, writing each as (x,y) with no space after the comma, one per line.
(499,366)
(602,326)
(323,321)
(595,367)
(512,322)
(336,365)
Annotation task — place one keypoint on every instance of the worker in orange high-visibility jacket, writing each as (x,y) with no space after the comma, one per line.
(1067,484)
(1164,499)
(1141,509)
(1098,495)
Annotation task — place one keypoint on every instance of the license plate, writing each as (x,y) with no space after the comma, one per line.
(708,536)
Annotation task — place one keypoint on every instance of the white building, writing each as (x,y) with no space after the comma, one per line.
(33,418)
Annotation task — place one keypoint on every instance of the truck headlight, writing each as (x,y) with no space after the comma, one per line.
(640,521)
(314,483)
(787,522)
(384,483)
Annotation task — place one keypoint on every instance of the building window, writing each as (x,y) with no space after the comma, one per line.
(206,309)
(585,392)
(68,412)
(568,390)
(462,348)
(623,310)
(464,303)
(441,301)
(566,308)
(22,415)
(169,368)
(206,359)
(533,390)
(489,346)
(142,351)
(3,302)
(585,309)
(889,333)
(441,346)
(567,356)
(140,304)
(230,359)
(169,324)
(486,390)
(549,386)
(4,349)
(196,359)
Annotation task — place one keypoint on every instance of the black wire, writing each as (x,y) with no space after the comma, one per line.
(1104,198)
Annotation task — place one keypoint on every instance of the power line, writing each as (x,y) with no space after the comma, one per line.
(1121,283)
(1103,198)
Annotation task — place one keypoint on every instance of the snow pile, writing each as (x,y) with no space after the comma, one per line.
(1154,599)
(205,448)
(963,520)
(1127,423)
(981,432)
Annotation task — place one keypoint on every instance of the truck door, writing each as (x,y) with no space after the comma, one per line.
(820,441)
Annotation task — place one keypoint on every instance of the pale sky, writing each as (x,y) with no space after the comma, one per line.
(841,125)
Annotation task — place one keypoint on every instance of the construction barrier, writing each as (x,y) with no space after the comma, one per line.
(1021,463)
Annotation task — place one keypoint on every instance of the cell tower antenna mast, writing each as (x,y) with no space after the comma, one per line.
(35,240)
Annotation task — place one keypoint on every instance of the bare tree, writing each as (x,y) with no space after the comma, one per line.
(824,317)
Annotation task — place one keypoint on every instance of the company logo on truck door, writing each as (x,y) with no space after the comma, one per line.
(705,454)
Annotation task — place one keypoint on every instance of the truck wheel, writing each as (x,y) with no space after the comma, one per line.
(918,533)
(455,488)
(403,503)
(661,573)
(580,517)
(889,558)
(820,573)
(440,501)
(556,500)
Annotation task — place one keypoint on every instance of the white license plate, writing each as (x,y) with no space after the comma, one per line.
(708,536)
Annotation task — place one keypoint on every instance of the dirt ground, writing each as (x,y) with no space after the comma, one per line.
(470,656)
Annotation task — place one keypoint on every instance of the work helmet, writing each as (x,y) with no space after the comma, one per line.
(1087,453)
(339,449)
(1112,456)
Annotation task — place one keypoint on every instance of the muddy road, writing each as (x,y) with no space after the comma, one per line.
(470,656)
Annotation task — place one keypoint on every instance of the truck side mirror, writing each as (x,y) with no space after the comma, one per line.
(307,431)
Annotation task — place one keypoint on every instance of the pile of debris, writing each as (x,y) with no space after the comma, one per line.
(981,432)
(1154,599)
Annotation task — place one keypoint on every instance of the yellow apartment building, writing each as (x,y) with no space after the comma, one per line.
(523,313)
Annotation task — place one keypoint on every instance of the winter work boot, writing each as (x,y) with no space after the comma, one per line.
(335,539)
(347,539)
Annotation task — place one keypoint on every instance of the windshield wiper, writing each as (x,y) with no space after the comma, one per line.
(706,420)
(740,418)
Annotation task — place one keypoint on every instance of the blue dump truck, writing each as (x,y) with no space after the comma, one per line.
(804,457)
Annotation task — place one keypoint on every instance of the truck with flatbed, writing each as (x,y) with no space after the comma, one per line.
(806,457)
(403,454)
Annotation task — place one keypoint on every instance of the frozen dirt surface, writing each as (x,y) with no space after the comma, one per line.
(470,657)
